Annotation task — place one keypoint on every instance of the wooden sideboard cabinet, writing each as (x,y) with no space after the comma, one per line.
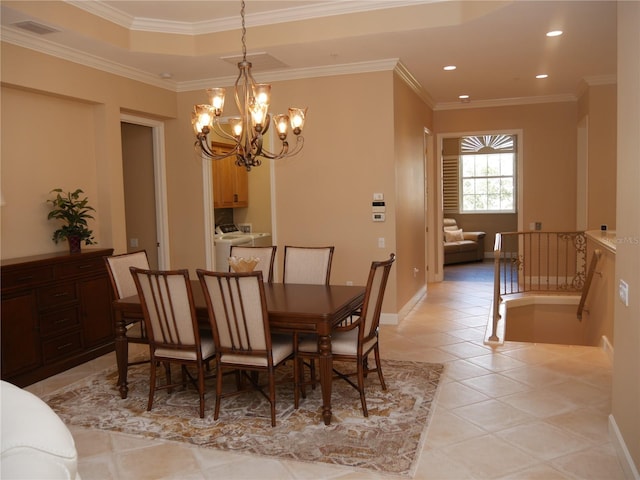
(56,313)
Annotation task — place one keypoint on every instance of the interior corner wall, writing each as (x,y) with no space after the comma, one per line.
(549,154)
(626,379)
(411,117)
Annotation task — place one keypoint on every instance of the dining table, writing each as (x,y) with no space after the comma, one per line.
(292,308)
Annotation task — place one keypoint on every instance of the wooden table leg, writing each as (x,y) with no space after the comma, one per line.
(326,375)
(122,354)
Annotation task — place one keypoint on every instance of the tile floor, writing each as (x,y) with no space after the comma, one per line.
(519,411)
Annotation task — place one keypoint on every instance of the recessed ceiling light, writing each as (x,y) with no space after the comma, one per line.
(450,67)
(166,75)
(554,33)
(463,97)
(542,75)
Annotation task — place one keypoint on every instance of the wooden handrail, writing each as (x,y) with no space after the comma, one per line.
(497,248)
(587,283)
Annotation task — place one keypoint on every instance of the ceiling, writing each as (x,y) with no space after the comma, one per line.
(498,47)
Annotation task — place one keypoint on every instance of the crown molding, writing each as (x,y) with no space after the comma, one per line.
(295,74)
(411,81)
(596,80)
(47,47)
(293,14)
(505,102)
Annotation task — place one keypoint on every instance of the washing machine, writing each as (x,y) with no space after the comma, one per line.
(228,235)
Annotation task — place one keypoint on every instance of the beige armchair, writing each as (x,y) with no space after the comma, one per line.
(461,246)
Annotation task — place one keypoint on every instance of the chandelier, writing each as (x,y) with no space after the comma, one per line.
(245,133)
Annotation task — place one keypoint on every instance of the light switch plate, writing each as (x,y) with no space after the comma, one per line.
(623,292)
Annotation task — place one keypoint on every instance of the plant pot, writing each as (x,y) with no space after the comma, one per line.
(74,244)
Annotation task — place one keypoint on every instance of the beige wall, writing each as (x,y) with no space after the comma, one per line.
(139,190)
(410,120)
(61,128)
(549,154)
(598,105)
(323,196)
(626,364)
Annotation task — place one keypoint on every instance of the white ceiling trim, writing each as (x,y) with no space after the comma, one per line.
(411,81)
(506,102)
(295,74)
(324,9)
(38,44)
(41,45)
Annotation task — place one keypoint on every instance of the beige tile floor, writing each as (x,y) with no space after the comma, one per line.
(519,411)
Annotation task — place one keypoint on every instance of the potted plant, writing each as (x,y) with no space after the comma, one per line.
(74,212)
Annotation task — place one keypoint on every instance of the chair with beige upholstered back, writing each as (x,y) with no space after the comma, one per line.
(266,255)
(122,286)
(353,342)
(172,326)
(307,265)
(239,320)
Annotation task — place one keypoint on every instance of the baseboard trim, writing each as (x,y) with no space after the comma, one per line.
(396,318)
(608,348)
(629,468)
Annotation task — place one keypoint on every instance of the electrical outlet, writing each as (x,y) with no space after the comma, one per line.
(381,242)
(538,225)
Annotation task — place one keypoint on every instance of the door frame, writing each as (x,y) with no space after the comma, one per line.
(160,183)
(519,133)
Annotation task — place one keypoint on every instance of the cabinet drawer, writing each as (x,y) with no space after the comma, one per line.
(59,320)
(62,346)
(26,277)
(57,295)
(82,267)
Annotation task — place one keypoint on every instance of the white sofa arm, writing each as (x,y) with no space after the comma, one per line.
(35,442)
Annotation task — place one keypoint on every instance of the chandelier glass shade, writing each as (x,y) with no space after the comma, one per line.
(245,133)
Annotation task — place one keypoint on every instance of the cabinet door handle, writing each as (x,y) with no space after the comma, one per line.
(61,294)
(26,279)
(81,267)
(66,345)
(62,320)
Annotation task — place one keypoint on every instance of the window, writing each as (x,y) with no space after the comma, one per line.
(480,176)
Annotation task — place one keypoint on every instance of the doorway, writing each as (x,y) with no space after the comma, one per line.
(145,188)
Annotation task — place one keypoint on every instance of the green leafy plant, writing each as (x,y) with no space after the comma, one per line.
(74,212)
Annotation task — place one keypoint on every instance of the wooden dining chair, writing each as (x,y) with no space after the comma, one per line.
(172,326)
(355,340)
(122,286)
(240,323)
(266,255)
(308,265)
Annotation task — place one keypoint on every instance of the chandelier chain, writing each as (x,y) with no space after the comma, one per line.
(244,34)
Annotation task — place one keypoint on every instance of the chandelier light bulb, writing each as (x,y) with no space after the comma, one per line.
(282,123)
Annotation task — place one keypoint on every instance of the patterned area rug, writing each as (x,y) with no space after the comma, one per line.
(388,441)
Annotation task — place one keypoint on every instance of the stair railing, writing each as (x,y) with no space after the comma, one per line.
(538,262)
(595,257)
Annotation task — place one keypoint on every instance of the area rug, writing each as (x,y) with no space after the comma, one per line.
(388,441)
